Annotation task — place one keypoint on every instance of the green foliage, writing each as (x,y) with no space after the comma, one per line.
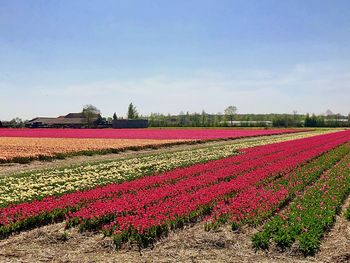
(230,112)
(260,241)
(285,120)
(64,236)
(314,121)
(90,113)
(234,226)
(187,120)
(347,213)
(16,123)
(309,243)
(132,112)
(259,120)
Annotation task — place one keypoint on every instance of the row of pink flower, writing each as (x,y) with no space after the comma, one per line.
(158,134)
(141,203)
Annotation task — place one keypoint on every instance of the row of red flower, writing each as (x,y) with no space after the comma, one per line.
(258,202)
(157,134)
(152,202)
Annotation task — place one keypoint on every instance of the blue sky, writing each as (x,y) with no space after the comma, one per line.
(172,56)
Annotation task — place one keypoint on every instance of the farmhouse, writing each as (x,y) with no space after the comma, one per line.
(77,120)
(71,120)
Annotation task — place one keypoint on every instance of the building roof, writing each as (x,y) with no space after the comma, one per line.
(69,119)
(53,121)
(74,115)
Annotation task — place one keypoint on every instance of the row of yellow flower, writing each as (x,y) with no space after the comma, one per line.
(33,185)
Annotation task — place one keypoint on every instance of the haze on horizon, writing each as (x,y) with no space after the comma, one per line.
(171,56)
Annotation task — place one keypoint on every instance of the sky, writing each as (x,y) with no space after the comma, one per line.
(263,56)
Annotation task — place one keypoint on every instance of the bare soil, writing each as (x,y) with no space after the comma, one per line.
(336,243)
(192,244)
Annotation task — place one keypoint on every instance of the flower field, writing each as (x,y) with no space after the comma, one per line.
(150,134)
(24,145)
(239,186)
(27,186)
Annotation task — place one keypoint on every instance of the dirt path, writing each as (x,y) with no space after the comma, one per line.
(336,243)
(192,244)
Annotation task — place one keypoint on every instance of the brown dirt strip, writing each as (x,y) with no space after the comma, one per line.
(192,244)
(335,246)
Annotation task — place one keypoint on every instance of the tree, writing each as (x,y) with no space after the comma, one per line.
(279,121)
(215,121)
(310,121)
(182,119)
(132,112)
(90,113)
(16,123)
(230,111)
(295,118)
(99,120)
(329,112)
(115,116)
(204,119)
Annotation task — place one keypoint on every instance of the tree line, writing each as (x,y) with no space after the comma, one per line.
(204,119)
(229,117)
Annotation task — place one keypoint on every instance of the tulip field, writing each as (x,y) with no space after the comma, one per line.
(25,145)
(149,134)
(27,186)
(289,187)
